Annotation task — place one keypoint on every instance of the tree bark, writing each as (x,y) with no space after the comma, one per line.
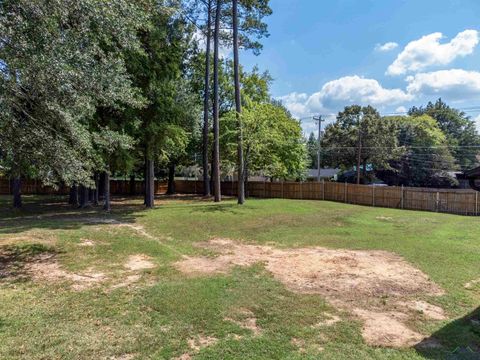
(96,191)
(101,186)
(106,191)
(83,196)
(73,197)
(150,184)
(246,174)
(206,100)
(171,179)
(216,133)
(17,192)
(238,106)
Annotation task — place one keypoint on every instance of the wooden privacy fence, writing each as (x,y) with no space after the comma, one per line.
(454,201)
(117,187)
(463,202)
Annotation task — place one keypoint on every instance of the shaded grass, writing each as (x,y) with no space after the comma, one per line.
(157,320)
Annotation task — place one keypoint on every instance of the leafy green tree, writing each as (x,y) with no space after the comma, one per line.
(274,145)
(312,149)
(360,137)
(460,131)
(59,61)
(426,157)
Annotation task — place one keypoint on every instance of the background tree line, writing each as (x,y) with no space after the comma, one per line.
(421,148)
(94,89)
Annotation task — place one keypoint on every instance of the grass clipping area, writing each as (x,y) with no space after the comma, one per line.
(273,279)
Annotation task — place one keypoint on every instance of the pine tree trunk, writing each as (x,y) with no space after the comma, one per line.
(150,184)
(171,179)
(216,131)
(206,100)
(17,192)
(238,106)
(106,191)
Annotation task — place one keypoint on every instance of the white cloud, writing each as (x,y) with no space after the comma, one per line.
(389,46)
(427,51)
(456,84)
(200,38)
(296,104)
(355,90)
(401,110)
(336,94)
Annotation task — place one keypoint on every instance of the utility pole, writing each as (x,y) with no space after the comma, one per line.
(319,151)
(359,146)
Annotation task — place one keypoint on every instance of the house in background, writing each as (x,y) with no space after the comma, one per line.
(325,174)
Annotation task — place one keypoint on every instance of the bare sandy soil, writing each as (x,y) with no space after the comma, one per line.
(378,287)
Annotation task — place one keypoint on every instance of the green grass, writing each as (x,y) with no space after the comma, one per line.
(156,318)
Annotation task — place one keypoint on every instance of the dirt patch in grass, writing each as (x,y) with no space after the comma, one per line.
(39,263)
(246,319)
(472,284)
(47,269)
(139,262)
(196,344)
(381,286)
(86,243)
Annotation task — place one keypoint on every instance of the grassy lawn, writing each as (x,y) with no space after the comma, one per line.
(125,311)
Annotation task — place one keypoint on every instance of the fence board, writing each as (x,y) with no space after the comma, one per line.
(453,201)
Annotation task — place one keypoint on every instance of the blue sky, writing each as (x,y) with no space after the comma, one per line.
(324,55)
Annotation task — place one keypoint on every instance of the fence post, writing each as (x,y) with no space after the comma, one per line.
(345,196)
(233,186)
(437,202)
(402,198)
(264,189)
(282,188)
(323,189)
(476,203)
(195,186)
(301,190)
(373,195)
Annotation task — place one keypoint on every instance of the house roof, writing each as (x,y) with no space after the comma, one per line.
(325,172)
(473,173)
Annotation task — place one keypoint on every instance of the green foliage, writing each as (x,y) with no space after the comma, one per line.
(60,60)
(459,129)
(427,156)
(273,141)
(378,138)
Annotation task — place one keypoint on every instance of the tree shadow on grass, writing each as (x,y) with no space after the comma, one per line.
(459,339)
(13,259)
(53,212)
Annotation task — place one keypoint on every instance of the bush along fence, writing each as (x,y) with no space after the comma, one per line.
(453,201)
(462,202)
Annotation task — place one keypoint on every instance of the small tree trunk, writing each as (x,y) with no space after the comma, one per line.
(171,179)
(206,180)
(73,197)
(216,134)
(17,192)
(150,184)
(101,186)
(96,191)
(106,191)
(83,195)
